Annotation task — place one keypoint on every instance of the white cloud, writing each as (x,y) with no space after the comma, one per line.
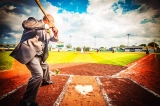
(98,6)
(16,35)
(11,7)
(28,11)
(6,37)
(13,20)
(110,28)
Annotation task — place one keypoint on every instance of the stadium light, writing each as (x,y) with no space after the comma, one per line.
(95,41)
(70,39)
(128,40)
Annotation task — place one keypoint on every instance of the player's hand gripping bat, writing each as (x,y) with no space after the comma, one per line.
(49,20)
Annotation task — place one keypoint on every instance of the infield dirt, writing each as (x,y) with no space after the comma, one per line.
(137,84)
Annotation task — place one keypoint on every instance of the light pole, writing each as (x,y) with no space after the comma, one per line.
(128,40)
(95,41)
(154,46)
(70,40)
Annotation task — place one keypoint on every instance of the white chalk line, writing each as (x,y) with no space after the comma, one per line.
(105,96)
(117,76)
(144,87)
(14,90)
(152,92)
(7,94)
(133,65)
(61,96)
(107,99)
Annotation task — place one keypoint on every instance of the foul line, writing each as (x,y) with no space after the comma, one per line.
(142,86)
(7,94)
(105,96)
(154,93)
(117,74)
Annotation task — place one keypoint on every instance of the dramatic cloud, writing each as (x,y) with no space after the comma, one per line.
(104,23)
(155,4)
(13,13)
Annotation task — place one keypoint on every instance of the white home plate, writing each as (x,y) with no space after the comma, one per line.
(84,89)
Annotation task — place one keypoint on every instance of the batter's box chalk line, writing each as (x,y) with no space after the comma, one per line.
(105,96)
(61,96)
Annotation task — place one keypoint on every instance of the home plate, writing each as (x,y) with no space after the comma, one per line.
(83,91)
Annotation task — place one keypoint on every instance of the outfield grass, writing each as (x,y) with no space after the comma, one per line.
(121,58)
(5,60)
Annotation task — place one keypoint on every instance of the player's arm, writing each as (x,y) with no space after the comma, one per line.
(32,23)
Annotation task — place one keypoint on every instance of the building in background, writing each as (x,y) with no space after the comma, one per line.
(133,49)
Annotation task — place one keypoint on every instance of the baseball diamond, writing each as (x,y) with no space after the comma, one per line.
(89,84)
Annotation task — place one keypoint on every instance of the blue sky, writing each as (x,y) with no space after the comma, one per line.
(79,6)
(93,23)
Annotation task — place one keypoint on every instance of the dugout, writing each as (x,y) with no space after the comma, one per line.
(133,48)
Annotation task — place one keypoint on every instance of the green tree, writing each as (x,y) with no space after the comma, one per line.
(102,48)
(152,44)
(78,48)
(122,45)
(143,45)
(68,46)
(87,48)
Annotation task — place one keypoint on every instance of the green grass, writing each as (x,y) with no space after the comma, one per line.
(5,60)
(120,58)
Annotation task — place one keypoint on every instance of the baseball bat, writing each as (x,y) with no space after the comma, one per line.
(40,6)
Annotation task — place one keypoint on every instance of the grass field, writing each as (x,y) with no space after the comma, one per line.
(5,60)
(121,58)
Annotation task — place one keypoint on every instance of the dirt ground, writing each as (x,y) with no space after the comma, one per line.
(137,84)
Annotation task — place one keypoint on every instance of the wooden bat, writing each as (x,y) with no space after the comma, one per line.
(40,6)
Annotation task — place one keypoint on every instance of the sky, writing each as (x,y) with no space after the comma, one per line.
(90,23)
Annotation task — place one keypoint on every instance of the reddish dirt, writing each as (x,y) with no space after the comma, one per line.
(146,72)
(76,94)
(124,92)
(121,90)
(13,78)
(89,69)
